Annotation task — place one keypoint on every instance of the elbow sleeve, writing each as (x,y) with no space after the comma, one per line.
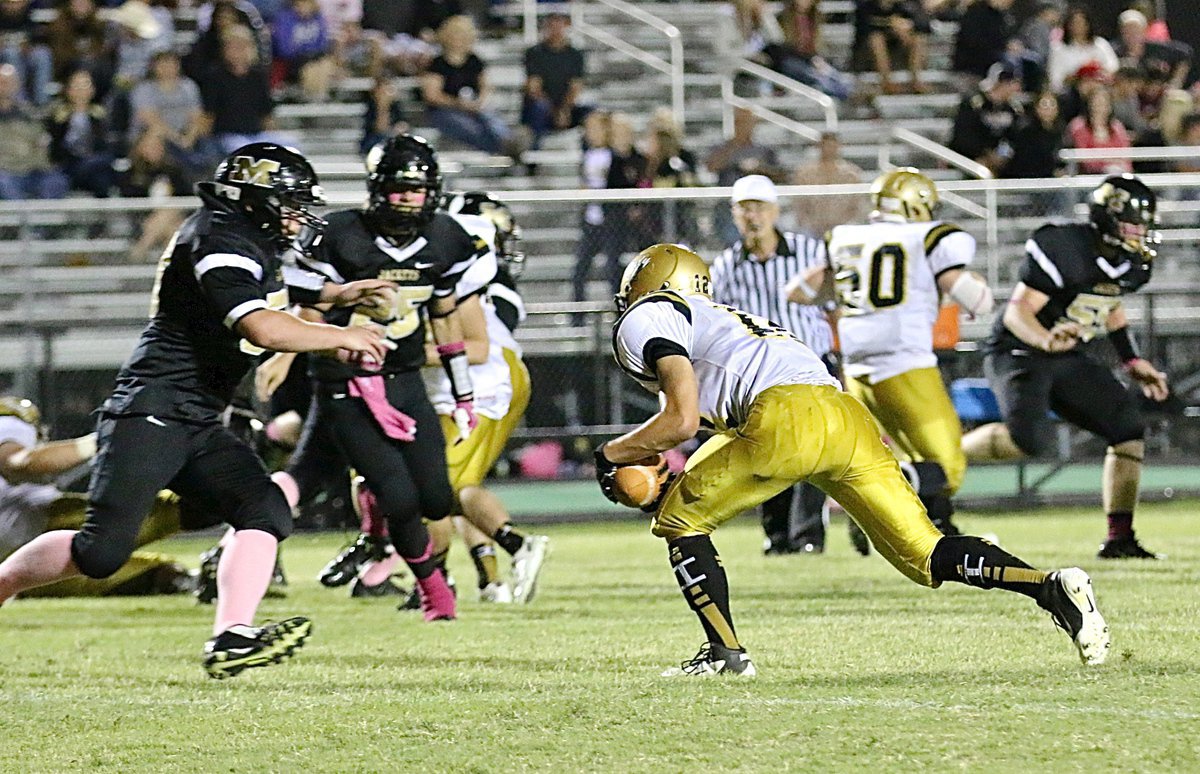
(972,294)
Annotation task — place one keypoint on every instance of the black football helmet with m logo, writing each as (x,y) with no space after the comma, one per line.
(397,168)
(270,183)
(1124,212)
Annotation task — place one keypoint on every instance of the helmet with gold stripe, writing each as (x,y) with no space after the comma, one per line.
(904,193)
(663,267)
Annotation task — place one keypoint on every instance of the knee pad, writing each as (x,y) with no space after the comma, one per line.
(1134,451)
(99,556)
(266,510)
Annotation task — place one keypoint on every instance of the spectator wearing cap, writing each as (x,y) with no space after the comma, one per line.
(1079,46)
(1167,62)
(22,45)
(1096,128)
(554,71)
(753,274)
(141,33)
(986,119)
(818,214)
(25,168)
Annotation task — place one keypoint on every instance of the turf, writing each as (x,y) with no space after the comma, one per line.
(859,669)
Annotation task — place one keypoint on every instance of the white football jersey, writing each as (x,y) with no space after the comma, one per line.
(22,516)
(885,274)
(490,380)
(736,355)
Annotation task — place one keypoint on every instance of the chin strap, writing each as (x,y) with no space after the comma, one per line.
(454,361)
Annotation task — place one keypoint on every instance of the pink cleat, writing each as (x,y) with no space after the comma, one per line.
(437,600)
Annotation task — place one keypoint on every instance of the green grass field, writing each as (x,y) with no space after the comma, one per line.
(859,669)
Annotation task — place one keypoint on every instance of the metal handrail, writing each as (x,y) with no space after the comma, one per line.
(801,90)
(672,67)
(933,148)
(1073,156)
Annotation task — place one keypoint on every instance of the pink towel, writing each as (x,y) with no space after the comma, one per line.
(395,423)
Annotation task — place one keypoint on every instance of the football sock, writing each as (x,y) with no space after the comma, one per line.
(375,573)
(243,574)
(43,560)
(976,562)
(1120,524)
(372,521)
(422,564)
(291,490)
(701,578)
(509,539)
(486,567)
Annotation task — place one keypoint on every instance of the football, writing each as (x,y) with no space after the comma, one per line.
(639,484)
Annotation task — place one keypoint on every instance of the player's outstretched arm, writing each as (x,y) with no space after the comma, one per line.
(284,332)
(676,422)
(1020,317)
(20,464)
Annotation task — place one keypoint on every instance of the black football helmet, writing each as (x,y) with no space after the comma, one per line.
(397,165)
(508,233)
(1124,212)
(268,183)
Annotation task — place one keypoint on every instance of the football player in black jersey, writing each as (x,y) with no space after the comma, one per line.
(1071,284)
(378,413)
(217,304)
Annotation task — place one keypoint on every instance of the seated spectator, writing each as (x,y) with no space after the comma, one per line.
(1079,46)
(384,116)
(79,39)
(141,33)
(1097,128)
(1079,87)
(1036,141)
(737,157)
(1039,30)
(212,21)
(1127,88)
(1169,61)
(22,46)
(456,92)
(554,71)
(895,22)
(986,33)
(25,168)
(355,52)
(407,30)
(168,102)
(986,119)
(153,174)
(237,95)
(818,214)
(304,49)
(799,56)
(79,136)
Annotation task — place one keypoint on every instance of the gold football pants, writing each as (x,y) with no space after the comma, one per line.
(469,462)
(797,432)
(916,412)
(69,511)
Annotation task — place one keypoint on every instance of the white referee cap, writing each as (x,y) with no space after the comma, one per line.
(758,188)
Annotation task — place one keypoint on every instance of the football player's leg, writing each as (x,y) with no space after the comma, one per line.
(371,557)
(1093,399)
(1022,385)
(482,551)
(777,522)
(226,471)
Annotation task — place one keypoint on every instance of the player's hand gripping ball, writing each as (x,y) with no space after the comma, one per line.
(634,485)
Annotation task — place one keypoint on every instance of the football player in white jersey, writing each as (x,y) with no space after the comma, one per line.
(889,277)
(780,418)
(29,507)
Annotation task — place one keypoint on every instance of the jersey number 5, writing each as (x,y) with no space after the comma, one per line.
(404,317)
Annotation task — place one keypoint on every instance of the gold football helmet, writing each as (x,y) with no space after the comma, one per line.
(663,267)
(906,193)
(22,409)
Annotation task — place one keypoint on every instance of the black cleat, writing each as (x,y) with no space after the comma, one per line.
(245,647)
(713,659)
(388,588)
(859,539)
(344,567)
(206,579)
(1126,547)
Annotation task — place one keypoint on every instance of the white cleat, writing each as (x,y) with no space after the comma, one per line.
(1072,603)
(497,593)
(527,565)
(714,660)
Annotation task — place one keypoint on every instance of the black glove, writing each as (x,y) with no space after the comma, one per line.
(606,472)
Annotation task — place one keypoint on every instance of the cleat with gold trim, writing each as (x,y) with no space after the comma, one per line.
(712,660)
(1070,600)
(245,647)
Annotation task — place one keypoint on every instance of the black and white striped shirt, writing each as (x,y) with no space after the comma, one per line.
(741,281)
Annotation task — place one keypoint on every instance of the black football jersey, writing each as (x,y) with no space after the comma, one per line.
(426,268)
(218,268)
(1064,262)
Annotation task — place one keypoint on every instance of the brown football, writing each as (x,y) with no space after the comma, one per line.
(639,484)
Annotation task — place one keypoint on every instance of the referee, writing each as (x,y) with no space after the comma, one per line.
(752,275)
